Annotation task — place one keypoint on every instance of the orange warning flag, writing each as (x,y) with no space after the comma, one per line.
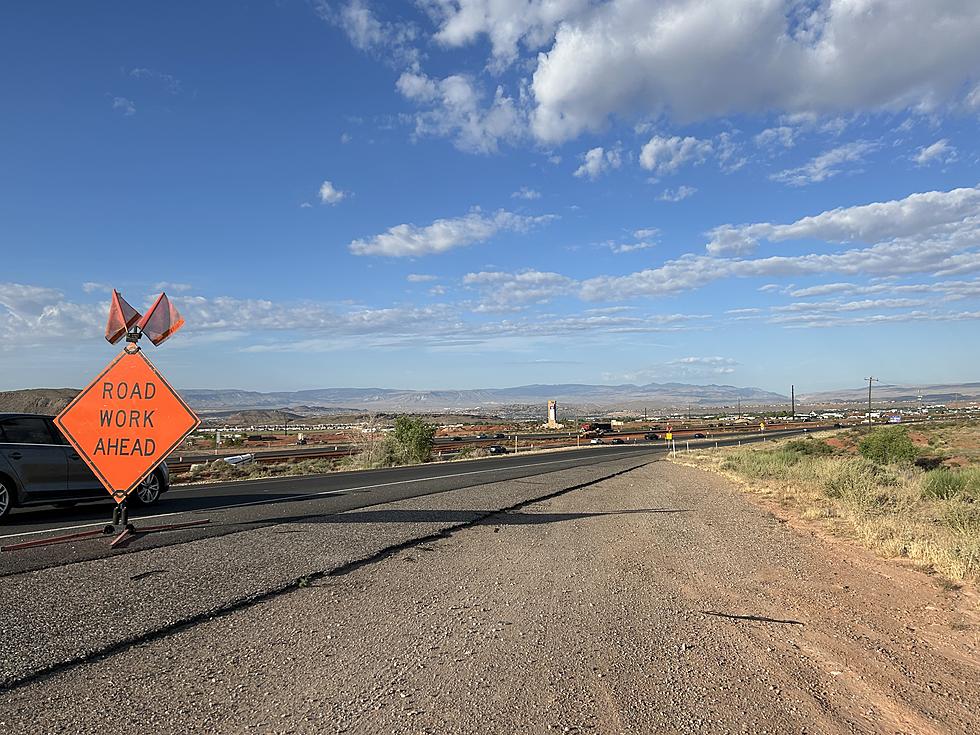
(161,320)
(121,317)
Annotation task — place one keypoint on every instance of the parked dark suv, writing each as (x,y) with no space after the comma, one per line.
(39,467)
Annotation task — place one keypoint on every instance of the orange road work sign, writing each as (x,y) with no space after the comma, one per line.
(126,422)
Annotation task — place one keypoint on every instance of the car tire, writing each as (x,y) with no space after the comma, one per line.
(149,491)
(6,497)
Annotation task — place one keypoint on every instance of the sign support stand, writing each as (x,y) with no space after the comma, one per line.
(110,413)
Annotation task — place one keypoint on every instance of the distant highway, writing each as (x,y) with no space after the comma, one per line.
(181,461)
(236,506)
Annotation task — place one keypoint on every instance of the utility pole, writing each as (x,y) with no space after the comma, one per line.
(792,398)
(870,379)
(740,408)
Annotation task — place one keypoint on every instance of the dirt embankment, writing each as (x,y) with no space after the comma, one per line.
(658,601)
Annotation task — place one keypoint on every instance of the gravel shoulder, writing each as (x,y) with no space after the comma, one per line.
(657,600)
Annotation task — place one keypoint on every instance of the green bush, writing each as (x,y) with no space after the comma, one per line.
(414,438)
(810,447)
(952,484)
(891,444)
(943,484)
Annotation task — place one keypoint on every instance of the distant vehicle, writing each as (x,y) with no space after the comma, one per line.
(617,441)
(499,436)
(301,441)
(700,435)
(39,467)
(838,425)
(597,440)
(652,436)
(497,449)
(482,436)
(456,438)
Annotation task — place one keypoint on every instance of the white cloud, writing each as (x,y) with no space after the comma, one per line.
(693,366)
(825,321)
(827,165)
(390,41)
(329,194)
(645,232)
(457,110)
(345,138)
(622,248)
(932,233)
(124,105)
(172,287)
(508,291)
(420,278)
(938,257)
(695,59)
(678,194)
(444,234)
(812,307)
(946,290)
(665,156)
(917,215)
(940,151)
(526,193)
(782,135)
(26,299)
(597,161)
(171,82)
(508,24)
(94,287)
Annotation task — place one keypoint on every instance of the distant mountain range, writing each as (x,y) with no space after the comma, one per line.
(582,397)
(653,395)
(898,393)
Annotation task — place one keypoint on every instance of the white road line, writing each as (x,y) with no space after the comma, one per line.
(268,501)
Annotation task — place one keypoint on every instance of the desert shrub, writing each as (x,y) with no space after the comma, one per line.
(414,438)
(761,465)
(951,484)
(810,447)
(943,484)
(891,444)
(962,518)
(858,481)
(472,453)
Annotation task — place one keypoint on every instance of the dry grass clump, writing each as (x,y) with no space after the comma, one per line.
(895,508)
(218,470)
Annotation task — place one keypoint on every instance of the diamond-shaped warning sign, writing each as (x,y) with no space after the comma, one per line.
(126,422)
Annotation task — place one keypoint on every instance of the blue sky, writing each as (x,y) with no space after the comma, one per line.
(466,193)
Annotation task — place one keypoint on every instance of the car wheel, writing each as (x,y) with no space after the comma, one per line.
(6,499)
(149,490)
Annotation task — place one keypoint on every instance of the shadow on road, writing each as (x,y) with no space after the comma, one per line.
(751,618)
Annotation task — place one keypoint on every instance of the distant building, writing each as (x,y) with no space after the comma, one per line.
(553,416)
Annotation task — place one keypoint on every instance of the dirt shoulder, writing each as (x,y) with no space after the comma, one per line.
(659,600)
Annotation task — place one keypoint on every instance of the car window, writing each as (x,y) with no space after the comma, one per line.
(27,430)
(56,436)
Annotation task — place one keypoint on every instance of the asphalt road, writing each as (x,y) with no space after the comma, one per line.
(236,506)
